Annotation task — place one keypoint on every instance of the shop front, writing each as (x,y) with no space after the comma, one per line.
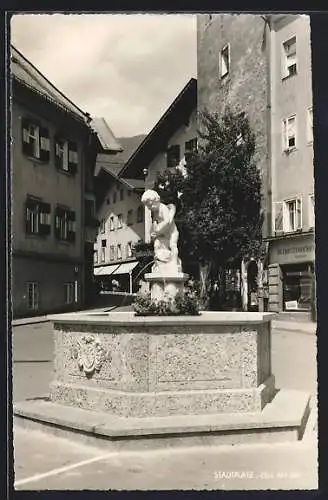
(292,273)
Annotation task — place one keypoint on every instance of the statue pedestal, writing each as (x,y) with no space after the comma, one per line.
(166,284)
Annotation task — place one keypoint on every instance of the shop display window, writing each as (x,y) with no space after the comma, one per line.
(297,287)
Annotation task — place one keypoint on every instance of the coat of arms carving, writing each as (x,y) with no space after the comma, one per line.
(90,354)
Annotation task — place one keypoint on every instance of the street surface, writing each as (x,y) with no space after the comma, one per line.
(43,461)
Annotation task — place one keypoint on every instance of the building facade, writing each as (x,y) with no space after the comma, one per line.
(291,248)
(121,217)
(168,144)
(53,152)
(262,65)
(232,71)
(124,221)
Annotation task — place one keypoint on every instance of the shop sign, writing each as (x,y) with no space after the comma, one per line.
(291,251)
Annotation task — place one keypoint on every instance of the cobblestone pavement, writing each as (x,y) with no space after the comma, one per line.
(46,462)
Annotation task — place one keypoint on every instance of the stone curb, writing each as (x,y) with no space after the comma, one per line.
(29,321)
(307,329)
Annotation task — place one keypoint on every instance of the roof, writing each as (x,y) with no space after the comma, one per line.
(113,164)
(129,145)
(27,74)
(109,164)
(109,167)
(134,183)
(177,114)
(105,135)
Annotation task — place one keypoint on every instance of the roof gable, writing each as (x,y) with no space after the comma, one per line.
(177,114)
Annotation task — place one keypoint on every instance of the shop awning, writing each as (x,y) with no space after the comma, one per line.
(105,270)
(124,268)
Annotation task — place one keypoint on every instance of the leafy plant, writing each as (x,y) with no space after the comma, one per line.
(185,303)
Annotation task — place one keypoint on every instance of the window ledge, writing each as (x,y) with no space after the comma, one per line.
(36,235)
(64,242)
(37,160)
(286,77)
(289,151)
(66,172)
(225,78)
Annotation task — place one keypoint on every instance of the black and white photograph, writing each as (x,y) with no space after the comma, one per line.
(163,280)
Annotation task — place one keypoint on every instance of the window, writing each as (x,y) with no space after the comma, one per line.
(111,252)
(103,254)
(114,197)
(69,293)
(119,251)
(111,223)
(289,133)
(102,226)
(37,220)
(173,156)
(310,125)
(108,201)
(292,215)
(130,218)
(140,214)
(129,250)
(287,216)
(32,296)
(119,221)
(121,194)
(66,156)
(190,148)
(35,140)
(311,211)
(298,285)
(225,61)
(289,58)
(65,224)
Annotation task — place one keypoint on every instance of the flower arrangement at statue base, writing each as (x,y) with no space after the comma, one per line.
(184,304)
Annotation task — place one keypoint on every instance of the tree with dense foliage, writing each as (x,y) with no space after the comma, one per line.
(218,196)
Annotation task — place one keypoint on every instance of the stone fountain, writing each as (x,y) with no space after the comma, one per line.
(133,382)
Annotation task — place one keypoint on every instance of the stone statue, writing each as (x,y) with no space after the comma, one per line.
(163,232)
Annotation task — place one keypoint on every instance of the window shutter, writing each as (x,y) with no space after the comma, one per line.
(28,216)
(44,144)
(173,156)
(72,157)
(58,215)
(299,213)
(71,231)
(284,135)
(56,151)
(278,219)
(27,146)
(45,227)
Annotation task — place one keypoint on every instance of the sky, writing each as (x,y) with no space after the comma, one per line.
(127,68)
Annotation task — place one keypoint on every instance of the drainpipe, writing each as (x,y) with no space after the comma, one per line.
(130,278)
(269,63)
